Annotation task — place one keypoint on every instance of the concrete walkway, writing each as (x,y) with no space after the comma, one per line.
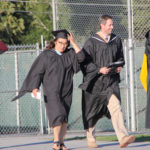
(46,143)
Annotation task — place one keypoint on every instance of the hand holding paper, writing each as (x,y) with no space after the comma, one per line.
(36,94)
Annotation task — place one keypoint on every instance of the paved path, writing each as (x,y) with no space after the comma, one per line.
(43,143)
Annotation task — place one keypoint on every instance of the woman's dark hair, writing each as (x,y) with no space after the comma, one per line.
(52,44)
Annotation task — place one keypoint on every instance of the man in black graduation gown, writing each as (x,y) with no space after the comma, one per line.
(101,93)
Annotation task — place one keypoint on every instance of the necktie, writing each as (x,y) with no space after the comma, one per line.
(106,38)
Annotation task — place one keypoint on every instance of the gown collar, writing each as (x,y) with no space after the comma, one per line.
(57,52)
(112,37)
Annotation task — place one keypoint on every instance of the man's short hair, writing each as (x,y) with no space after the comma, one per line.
(104,18)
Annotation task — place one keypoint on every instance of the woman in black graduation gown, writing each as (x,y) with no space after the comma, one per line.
(54,68)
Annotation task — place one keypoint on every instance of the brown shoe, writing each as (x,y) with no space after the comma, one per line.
(92,145)
(126,140)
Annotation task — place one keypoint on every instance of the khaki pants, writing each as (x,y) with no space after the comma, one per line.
(117,120)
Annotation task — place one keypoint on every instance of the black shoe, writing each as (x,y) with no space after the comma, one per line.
(63,147)
(57,144)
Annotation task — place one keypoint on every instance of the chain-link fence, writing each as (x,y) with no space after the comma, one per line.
(23,116)
(27,115)
(140,25)
(81,18)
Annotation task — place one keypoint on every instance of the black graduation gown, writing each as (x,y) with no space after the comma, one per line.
(97,88)
(55,72)
(147,52)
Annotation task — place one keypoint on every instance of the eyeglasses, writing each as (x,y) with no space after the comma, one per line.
(62,43)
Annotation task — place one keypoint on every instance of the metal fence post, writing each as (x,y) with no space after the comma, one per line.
(42,42)
(44,111)
(131,66)
(127,85)
(40,101)
(54,14)
(17,89)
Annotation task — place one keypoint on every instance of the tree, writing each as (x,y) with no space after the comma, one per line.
(40,23)
(11,26)
(81,17)
(24,22)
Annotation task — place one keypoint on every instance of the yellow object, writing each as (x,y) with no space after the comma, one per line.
(144,73)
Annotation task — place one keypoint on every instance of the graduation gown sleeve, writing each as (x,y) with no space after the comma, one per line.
(90,56)
(34,77)
(119,55)
(89,68)
(76,58)
(147,49)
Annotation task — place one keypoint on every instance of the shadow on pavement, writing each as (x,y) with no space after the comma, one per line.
(29,144)
(140,145)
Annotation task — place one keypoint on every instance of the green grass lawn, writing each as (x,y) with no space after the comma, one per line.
(139,138)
